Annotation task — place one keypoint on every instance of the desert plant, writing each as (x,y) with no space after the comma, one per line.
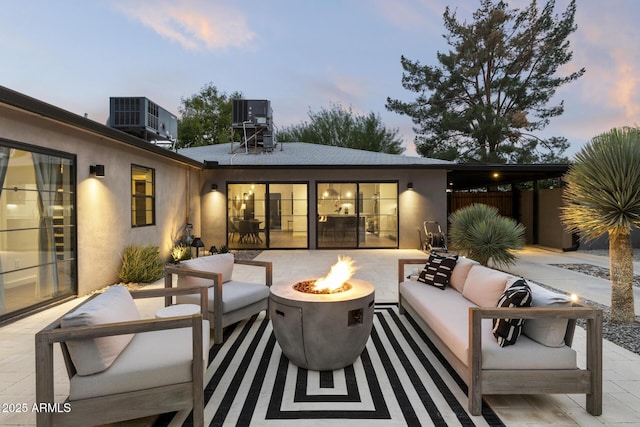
(479,232)
(603,196)
(141,264)
(180,252)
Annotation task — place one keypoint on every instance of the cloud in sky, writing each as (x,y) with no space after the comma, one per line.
(194,24)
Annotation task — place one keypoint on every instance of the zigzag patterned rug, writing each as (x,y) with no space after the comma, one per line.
(400,379)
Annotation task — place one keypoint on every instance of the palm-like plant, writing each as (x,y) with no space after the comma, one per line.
(479,232)
(603,196)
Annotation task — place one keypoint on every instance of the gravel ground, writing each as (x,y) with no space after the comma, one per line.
(605,253)
(626,336)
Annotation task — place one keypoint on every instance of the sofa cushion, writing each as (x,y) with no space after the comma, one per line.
(460,272)
(549,332)
(484,286)
(438,270)
(235,295)
(507,331)
(446,313)
(91,356)
(152,359)
(222,263)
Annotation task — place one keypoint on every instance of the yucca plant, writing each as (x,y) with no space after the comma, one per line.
(479,232)
(603,196)
(141,264)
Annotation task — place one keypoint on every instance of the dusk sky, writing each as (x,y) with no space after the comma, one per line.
(300,55)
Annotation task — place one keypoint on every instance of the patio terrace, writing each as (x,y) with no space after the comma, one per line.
(621,402)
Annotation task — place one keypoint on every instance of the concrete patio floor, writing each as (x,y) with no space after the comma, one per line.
(621,404)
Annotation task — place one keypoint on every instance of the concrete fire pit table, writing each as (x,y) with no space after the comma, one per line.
(322,332)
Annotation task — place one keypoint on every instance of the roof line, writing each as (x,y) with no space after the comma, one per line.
(51,112)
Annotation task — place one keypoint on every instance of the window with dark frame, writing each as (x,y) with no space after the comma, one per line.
(143,201)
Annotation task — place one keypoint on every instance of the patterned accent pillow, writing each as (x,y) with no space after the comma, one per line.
(437,271)
(507,331)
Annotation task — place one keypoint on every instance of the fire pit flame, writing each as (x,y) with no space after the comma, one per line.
(335,281)
(338,275)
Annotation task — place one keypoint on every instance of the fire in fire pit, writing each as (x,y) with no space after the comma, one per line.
(335,281)
(323,324)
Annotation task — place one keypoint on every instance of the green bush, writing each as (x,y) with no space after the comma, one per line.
(479,232)
(141,264)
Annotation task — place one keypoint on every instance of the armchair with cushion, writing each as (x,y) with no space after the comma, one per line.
(119,366)
(229,300)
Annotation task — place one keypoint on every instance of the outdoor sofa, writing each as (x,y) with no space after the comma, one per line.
(456,315)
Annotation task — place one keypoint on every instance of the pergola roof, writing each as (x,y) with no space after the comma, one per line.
(465,176)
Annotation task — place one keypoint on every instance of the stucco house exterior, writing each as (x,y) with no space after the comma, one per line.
(314,196)
(74,193)
(62,229)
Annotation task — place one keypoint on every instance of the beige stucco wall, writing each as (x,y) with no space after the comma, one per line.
(426,201)
(104,205)
(550,230)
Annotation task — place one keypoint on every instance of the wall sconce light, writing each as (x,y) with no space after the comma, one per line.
(97,170)
(214,187)
(409,185)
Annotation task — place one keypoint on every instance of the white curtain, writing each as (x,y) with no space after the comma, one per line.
(48,180)
(4,165)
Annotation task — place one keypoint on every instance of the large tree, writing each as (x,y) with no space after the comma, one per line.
(491,91)
(341,127)
(603,197)
(206,117)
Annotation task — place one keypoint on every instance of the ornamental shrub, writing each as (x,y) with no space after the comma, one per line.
(141,264)
(479,232)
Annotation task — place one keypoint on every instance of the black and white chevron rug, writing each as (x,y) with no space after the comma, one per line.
(400,379)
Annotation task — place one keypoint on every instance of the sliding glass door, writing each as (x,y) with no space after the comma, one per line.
(357,215)
(273,215)
(37,228)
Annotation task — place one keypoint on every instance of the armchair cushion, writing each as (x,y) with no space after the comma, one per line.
(221,263)
(235,295)
(91,356)
(152,359)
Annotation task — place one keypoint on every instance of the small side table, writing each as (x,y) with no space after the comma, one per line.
(178,310)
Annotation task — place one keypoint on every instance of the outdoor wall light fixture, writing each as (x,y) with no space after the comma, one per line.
(97,170)
(410,186)
(214,187)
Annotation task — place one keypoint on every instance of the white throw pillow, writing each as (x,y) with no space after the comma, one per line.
(484,286)
(549,332)
(91,356)
(222,263)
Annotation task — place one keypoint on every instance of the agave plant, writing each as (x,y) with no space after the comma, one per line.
(479,232)
(603,196)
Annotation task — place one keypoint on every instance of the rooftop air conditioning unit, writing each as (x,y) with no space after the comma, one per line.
(143,118)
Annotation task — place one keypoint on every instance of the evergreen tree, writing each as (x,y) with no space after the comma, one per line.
(491,90)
